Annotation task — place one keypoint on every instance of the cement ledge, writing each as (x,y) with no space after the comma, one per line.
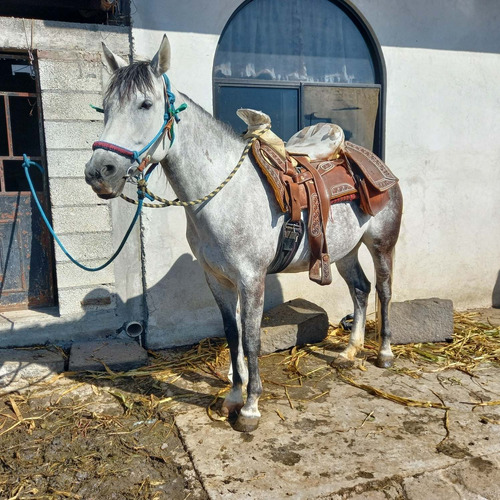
(40,327)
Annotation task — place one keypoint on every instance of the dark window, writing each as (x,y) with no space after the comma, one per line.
(25,127)
(316,56)
(26,254)
(279,103)
(15,179)
(17,74)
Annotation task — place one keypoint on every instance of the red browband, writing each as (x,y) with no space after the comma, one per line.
(113,148)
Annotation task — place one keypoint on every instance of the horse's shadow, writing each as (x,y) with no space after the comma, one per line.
(495,295)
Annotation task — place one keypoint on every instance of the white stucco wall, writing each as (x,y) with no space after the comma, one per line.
(441,129)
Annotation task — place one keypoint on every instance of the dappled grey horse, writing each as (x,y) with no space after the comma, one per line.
(234,235)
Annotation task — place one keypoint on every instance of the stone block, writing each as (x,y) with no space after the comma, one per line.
(70,105)
(71,276)
(78,75)
(118,355)
(421,320)
(85,246)
(68,162)
(73,193)
(81,219)
(296,322)
(71,135)
(19,368)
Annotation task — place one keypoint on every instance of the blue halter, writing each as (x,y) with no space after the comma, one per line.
(169,118)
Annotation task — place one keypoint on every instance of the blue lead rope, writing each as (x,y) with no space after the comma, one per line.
(27,163)
(170,112)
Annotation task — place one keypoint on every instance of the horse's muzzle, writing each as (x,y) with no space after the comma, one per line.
(106,179)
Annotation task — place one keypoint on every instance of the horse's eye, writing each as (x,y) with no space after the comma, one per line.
(146,104)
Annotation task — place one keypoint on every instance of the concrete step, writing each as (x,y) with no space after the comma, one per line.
(21,368)
(117,355)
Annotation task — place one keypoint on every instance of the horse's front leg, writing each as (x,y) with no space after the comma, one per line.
(382,258)
(251,292)
(226,296)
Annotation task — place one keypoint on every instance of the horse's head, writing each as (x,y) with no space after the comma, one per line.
(135,111)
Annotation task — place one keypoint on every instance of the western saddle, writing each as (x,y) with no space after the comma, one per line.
(315,169)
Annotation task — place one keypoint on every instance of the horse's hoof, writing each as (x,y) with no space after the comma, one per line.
(246,424)
(228,408)
(384,361)
(342,362)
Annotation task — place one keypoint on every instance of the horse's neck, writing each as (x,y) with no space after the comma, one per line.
(203,154)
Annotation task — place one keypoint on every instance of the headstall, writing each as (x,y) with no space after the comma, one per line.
(169,118)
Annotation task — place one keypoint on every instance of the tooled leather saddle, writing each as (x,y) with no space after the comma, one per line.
(315,169)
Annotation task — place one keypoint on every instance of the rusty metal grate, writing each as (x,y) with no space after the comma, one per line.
(26,254)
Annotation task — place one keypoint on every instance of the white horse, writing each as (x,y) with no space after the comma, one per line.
(234,235)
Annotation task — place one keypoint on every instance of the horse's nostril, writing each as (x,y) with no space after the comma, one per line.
(108,169)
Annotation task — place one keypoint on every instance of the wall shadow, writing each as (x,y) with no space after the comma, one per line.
(182,304)
(457,26)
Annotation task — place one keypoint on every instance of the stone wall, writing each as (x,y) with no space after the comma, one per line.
(71,76)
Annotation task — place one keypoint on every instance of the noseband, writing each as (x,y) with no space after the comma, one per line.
(169,118)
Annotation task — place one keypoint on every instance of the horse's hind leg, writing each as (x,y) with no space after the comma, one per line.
(382,258)
(226,296)
(381,239)
(359,288)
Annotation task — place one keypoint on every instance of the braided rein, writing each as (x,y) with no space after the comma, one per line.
(143,191)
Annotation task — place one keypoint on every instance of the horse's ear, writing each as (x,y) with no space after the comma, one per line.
(114,62)
(161,61)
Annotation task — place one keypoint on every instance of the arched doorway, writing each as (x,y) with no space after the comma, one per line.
(302,62)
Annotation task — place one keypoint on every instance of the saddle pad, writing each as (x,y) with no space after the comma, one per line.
(273,171)
(374,169)
(319,142)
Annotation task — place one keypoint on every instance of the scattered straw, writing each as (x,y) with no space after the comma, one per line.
(391,397)
(474,342)
(212,413)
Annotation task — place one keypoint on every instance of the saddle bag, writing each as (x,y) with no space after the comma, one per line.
(373,178)
(371,200)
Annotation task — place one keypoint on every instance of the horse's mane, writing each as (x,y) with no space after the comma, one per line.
(136,77)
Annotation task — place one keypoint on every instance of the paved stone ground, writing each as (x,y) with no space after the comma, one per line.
(320,437)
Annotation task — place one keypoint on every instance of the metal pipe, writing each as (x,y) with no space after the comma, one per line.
(133,329)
